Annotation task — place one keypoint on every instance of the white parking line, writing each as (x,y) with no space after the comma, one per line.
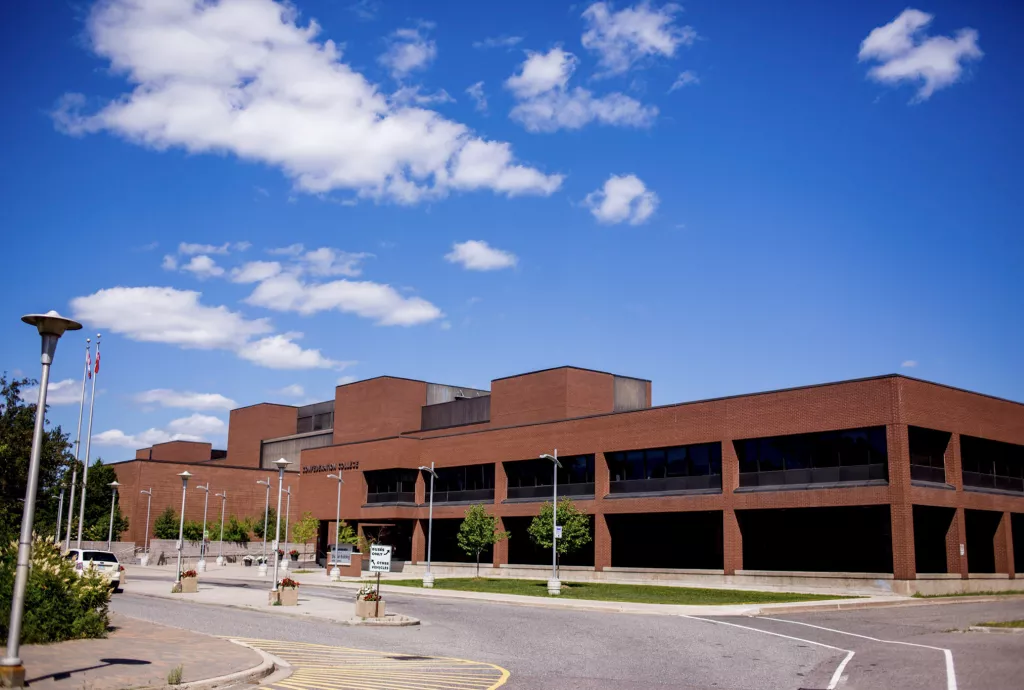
(950,671)
(839,669)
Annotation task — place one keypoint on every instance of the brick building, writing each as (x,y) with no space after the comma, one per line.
(887,475)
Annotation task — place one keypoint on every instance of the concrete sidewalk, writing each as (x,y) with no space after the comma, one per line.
(138,654)
(231,576)
(219,591)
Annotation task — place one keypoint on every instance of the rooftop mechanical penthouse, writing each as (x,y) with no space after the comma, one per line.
(887,478)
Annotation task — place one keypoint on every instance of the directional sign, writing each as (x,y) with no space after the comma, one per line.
(342,554)
(558,531)
(380,559)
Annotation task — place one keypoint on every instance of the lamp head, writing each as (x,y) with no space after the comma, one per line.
(51,323)
(114,484)
(148,492)
(184,477)
(281,463)
(552,458)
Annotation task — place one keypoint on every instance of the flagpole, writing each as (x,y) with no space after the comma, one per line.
(78,445)
(88,444)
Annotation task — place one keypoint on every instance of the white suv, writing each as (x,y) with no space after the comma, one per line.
(102,562)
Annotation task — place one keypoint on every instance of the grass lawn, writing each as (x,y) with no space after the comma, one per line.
(1003,624)
(600,591)
(971,594)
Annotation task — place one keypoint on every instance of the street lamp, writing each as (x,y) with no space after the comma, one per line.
(181,524)
(51,327)
(60,514)
(554,586)
(113,498)
(287,518)
(336,571)
(201,566)
(266,515)
(145,539)
(428,577)
(281,463)
(223,499)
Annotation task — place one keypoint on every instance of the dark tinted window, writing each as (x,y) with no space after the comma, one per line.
(992,464)
(576,469)
(848,448)
(390,481)
(99,556)
(697,460)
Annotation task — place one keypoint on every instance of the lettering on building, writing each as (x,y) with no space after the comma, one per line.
(331,467)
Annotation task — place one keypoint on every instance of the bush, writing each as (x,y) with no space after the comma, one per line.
(60,604)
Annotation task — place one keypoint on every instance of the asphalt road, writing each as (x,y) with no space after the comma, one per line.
(550,648)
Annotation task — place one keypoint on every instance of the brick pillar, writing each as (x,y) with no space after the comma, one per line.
(953,541)
(500,482)
(421,488)
(732,542)
(601,476)
(419,542)
(602,543)
(954,476)
(901,513)
(1003,545)
(501,548)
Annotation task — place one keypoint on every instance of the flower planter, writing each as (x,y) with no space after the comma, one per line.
(294,556)
(247,562)
(289,596)
(366,609)
(189,585)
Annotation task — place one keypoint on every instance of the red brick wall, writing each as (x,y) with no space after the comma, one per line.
(553,394)
(249,426)
(178,451)
(377,408)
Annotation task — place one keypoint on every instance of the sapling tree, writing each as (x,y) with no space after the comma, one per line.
(478,531)
(575,528)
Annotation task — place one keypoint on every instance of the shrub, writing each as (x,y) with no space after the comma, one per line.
(60,604)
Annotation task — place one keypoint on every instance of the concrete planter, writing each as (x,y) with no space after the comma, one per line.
(366,609)
(189,585)
(285,596)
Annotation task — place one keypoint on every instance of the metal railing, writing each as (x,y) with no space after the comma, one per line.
(392,497)
(544,492)
(925,473)
(465,495)
(815,475)
(993,481)
(631,486)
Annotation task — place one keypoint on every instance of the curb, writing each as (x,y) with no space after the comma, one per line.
(902,601)
(990,629)
(248,676)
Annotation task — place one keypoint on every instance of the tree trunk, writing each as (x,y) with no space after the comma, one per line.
(478,563)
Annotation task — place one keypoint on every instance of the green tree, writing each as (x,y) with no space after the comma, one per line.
(17,421)
(479,530)
(166,524)
(256,523)
(97,504)
(305,530)
(575,528)
(236,531)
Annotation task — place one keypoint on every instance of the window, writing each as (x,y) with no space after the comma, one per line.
(679,468)
(466,483)
(533,479)
(992,464)
(390,486)
(819,458)
(927,454)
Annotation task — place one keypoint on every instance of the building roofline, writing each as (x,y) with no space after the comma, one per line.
(568,366)
(199,463)
(246,407)
(406,378)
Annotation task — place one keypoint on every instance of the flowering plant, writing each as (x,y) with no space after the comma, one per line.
(293,552)
(372,596)
(287,582)
(368,593)
(280,552)
(189,573)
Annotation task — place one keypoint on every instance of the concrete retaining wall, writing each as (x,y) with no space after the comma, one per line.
(163,550)
(124,550)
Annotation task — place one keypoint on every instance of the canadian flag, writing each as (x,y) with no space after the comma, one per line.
(88,364)
(97,361)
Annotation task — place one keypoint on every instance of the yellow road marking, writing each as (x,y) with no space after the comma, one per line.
(324,667)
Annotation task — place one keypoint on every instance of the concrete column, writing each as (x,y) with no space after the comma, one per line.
(601,476)
(1003,545)
(500,483)
(501,548)
(732,542)
(901,513)
(602,543)
(419,541)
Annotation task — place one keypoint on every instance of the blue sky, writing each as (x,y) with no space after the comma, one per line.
(723,197)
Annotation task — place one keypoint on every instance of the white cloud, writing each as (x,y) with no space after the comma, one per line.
(546,104)
(144,439)
(166,315)
(293,391)
(326,261)
(477,255)
(909,364)
(290,250)
(64,392)
(197,425)
(476,92)
(622,199)
(411,95)
(687,78)
(624,38)
(498,42)
(376,301)
(409,50)
(279,352)
(170,263)
(255,271)
(244,246)
(905,53)
(366,10)
(346,380)
(203,267)
(165,397)
(242,77)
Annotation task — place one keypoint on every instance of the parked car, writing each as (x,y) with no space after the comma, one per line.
(103,562)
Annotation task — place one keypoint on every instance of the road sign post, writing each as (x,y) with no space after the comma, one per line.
(380,562)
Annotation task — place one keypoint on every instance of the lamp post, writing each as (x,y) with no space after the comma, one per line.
(428,577)
(287,518)
(78,446)
(51,327)
(554,586)
(181,524)
(201,566)
(336,571)
(113,499)
(281,463)
(88,445)
(223,499)
(145,539)
(60,515)
(266,515)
